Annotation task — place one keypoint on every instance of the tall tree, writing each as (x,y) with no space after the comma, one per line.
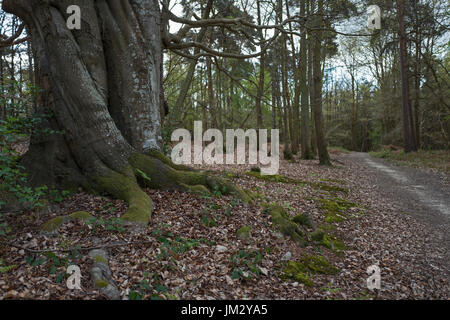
(324,158)
(304,91)
(409,135)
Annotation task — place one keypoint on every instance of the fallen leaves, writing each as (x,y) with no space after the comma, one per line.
(179,256)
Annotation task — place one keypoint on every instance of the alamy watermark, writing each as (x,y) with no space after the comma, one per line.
(213,153)
(74,20)
(374,19)
(74,280)
(374,281)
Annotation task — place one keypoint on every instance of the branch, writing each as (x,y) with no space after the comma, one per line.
(11,41)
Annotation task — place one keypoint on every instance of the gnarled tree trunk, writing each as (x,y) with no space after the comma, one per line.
(102,84)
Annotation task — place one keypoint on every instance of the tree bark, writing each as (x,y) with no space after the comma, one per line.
(305,130)
(324,158)
(409,135)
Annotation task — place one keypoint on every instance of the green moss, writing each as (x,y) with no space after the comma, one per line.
(80,215)
(167,178)
(319,264)
(327,187)
(281,219)
(303,219)
(53,224)
(335,209)
(167,161)
(243,232)
(318,235)
(100,259)
(101,283)
(198,189)
(124,186)
(333,243)
(301,270)
(333,180)
(297,271)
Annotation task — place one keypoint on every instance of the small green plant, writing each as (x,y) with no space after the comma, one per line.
(4,228)
(143,175)
(209,222)
(12,175)
(98,224)
(245,264)
(5,268)
(150,288)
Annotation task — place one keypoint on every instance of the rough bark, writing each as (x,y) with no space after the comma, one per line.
(305,130)
(409,135)
(324,158)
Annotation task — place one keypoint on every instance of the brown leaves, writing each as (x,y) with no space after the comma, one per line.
(179,256)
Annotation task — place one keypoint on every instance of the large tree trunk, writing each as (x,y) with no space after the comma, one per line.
(103,86)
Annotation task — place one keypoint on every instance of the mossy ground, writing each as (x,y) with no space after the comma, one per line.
(243,232)
(303,269)
(283,179)
(335,209)
(53,224)
(303,219)
(284,224)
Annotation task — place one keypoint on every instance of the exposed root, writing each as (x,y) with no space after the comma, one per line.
(124,186)
(101,274)
(52,226)
(158,172)
(165,177)
(282,221)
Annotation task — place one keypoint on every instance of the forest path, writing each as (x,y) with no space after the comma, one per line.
(422,194)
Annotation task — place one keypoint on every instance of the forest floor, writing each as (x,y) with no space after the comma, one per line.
(192,248)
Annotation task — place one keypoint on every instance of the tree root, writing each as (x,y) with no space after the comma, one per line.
(158,172)
(101,274)
(285,225)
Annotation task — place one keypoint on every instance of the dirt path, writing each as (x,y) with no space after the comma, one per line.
(422,194)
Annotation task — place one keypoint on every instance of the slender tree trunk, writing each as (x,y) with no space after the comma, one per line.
(211,95)
(408,123)
(324,158)
(260,89)
(305,136)
(187,81)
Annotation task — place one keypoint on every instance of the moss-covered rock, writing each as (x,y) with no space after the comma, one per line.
(333,243)
(318,264)
(282,221)
(80,215)
(100,259)
(243,232)
(303,269)
(303,219)
(101,283)
(318,235)
(52,225)
(298,272)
